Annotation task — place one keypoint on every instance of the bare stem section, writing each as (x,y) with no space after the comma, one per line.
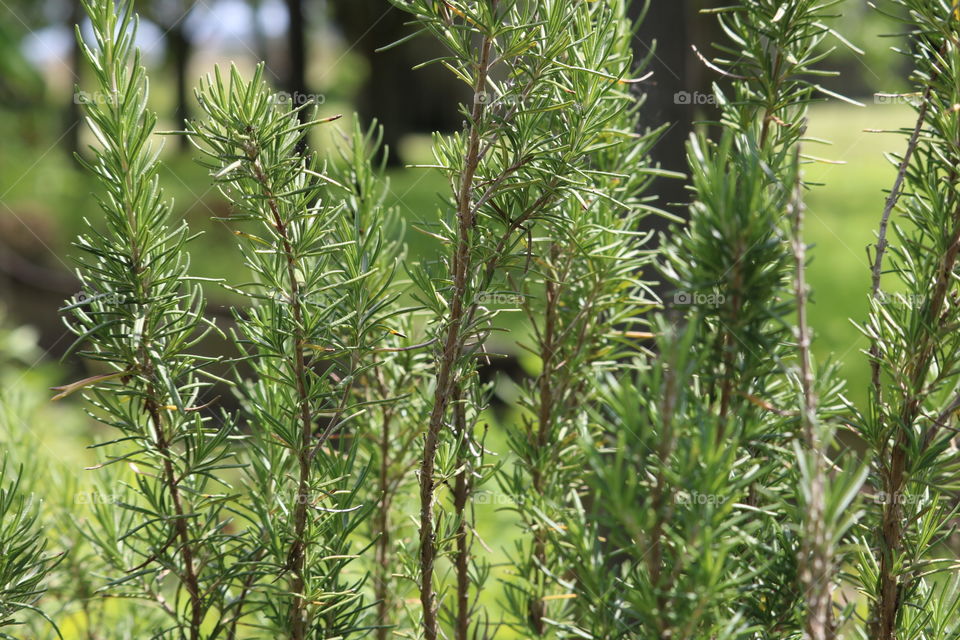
(816,561)
(448,373)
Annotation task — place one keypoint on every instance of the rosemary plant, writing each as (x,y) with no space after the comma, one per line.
(582,300)
(391,429)
(715,445)
(673,474)
(320,304)
(913,354)
(391,388)
(140,315)
(544,93)
(762,372)
(25,562)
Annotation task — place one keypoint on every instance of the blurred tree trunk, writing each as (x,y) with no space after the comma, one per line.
(179,49)
(297,55)
(664,39)
(677,91)
(703,30)
(171,18)
(404,101)
(71,138)
(259,35)
(675,94)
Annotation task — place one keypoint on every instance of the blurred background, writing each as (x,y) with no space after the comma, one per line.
(326,51)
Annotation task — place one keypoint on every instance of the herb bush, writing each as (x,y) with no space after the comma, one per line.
(676,468)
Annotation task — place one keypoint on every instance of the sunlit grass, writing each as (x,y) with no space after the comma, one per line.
(843,216)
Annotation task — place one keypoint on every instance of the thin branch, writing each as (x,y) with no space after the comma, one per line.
(881,246)
(452,349)
(815,556)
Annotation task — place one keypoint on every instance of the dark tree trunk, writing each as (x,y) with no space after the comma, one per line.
(402,100)
(71,138)
(259,36)
(664,39)
(297,56)
(179,49)
(679,93)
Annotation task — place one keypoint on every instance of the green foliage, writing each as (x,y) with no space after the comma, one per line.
(536,189)
(138,315)
(672,469)
(320,302)
(914,350)
(583,301)
(721,547)
(393,389)
(24,560)
(679,571)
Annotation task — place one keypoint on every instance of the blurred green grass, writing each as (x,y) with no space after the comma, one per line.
(842,218)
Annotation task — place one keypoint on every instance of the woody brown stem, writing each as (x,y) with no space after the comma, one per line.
(815,557)
(891,584)
(190,581)
(452,346)
(881,246)
(461,495)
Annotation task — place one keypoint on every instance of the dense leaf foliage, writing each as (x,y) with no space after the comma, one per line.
(672,468)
